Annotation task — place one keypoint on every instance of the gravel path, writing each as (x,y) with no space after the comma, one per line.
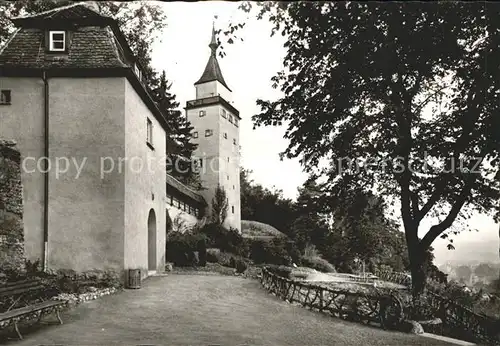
(205,310)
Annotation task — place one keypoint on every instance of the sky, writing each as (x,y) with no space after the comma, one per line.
(182,51)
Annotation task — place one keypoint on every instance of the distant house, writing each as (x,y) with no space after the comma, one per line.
(73,92)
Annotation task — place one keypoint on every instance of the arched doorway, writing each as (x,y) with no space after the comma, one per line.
(152,240)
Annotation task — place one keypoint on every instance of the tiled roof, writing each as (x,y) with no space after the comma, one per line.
(95,47)
(176,184)
(212,70)
(89,47)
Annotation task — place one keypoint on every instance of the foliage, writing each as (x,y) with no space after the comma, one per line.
(240,265)
(70,281)
(401,109)
(213,255)
(219,206)
(318,263)
(263,205)
(179,224)
(180,149)
(225,240)
(187,249)
(270,252)
(280,270)
(227,259)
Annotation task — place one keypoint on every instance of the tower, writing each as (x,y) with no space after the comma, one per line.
(216,131)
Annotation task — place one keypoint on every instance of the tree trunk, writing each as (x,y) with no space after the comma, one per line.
(418,276)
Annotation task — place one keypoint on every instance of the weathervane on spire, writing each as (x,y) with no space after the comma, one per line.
(213,42)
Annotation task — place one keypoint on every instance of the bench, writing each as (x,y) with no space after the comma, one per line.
(25,300)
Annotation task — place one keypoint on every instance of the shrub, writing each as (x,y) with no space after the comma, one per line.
(270,252)
(280,270)
(241,265)
(187,249)
(224,239)
(213,255)
(319,264)
(311,251)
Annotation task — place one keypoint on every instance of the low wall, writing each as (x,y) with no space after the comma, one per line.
(11,209)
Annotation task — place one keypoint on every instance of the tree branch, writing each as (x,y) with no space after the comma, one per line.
(436,230)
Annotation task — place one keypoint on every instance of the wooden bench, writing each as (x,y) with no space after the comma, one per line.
(25,300)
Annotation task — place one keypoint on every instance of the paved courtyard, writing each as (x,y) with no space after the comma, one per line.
(205,310)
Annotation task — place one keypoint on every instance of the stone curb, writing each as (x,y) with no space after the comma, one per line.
(447,339)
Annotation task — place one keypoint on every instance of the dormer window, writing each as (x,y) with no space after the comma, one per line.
(57,41)
(138,72)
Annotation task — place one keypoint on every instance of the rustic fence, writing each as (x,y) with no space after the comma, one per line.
(381,309)
(457,321)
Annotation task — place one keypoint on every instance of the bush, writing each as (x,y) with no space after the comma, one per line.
(224,239)
(270,252)
(280,270)
(187,249)
(319,264)
(213,255)
(240,265)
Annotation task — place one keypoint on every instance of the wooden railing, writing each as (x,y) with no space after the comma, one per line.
(381,309)
(457,321)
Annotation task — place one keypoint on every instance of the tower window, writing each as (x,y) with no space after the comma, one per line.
(230,118)
(5,97)
(234,141)
(225,135)
(195,134)
(232,209)
(228,177)
(223,113)
(202,113)
(57,41)
(209,133)
(149,135)
(236,122)
(228,159)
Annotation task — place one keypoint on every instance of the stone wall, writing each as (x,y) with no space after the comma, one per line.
(11,209)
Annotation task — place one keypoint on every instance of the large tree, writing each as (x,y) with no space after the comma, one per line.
(409,89)
(264,205)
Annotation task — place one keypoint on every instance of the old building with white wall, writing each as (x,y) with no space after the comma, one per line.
(93,144)
(73,92)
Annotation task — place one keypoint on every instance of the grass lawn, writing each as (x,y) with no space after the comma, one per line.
(205,310)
